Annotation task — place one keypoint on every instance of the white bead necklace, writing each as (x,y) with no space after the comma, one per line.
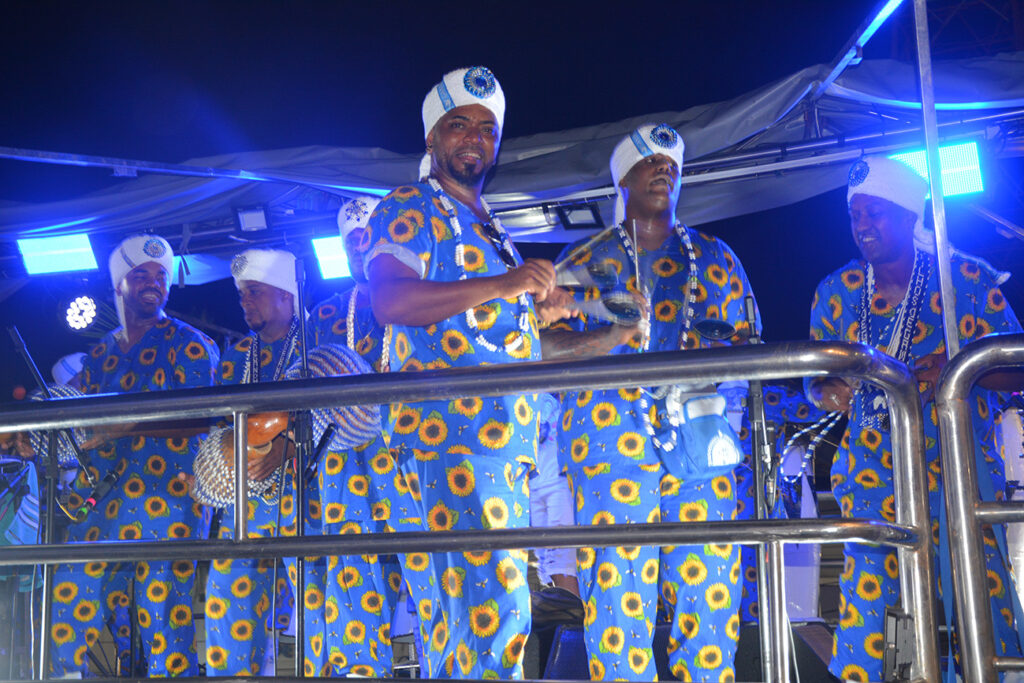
(523,317)
(350,332)
(687,313)
(903,325)
(253,360)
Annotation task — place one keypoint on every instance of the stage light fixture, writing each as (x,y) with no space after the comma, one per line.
(960,164)
(330,254)
(57,254)
(252,218)
(80,312)
(579,217)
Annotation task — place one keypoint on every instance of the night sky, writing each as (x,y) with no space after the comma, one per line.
(166,82)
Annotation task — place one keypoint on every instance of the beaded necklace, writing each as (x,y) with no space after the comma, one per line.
(252,357)
(523,317)
(903,326)
(684,328)
(818,430)
(213,476)
(350,332)
(350,320)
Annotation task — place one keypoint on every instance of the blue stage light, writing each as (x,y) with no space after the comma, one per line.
(57,254)
(961,167)
(879,19)
(330,254)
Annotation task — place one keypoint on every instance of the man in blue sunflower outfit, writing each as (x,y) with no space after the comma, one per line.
(444,274)
(361,489)
(889,299)
(149,352)
(634,455)
(238,591)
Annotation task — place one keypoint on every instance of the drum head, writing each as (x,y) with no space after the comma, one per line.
(353,425)
(713,329)
(623,309)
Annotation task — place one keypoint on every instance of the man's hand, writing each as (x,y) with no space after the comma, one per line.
(17,443)
(831,394)
(101,436)
(264,466)
(927,369)
(559,304)
(535,276)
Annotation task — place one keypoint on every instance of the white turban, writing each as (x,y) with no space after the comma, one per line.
(274,267)
(356,214)
(896,182)
(131,253)
(65,369)
(645,141)
(473,85)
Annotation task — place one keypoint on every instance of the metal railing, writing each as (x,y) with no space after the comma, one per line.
(965,511)
(910,534)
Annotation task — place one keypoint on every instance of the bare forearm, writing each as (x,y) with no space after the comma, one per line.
(160,429)
(1004,379)
(425,302)
(567,344)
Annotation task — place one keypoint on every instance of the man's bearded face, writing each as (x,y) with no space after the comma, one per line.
(465,144)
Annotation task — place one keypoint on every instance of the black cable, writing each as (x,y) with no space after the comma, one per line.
(83,460)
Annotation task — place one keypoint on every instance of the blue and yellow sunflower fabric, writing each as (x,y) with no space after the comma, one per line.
(360,493)
(862,469)
(618,476)
(465,461)
(149,503)
(238,592)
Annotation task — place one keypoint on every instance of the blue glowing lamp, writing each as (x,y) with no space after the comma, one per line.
(57,254)
(961,167)
(330,254)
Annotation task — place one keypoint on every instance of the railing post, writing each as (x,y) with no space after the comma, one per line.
(778,617)
(48,571)
(960,481)
(241,476)
(910,489)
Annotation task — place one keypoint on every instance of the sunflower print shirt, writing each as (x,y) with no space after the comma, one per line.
(605,426)
(412,225)
(981,310)
(149,501)
(362,485)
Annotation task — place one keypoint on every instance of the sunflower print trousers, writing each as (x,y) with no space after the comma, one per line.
(360,595)
(85,597)
(484,601)
(238,602)
(315,661)
(869,582)
(239,629)
(619,586)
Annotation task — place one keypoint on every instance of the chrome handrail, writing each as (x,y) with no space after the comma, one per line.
(911,534)
(964,510)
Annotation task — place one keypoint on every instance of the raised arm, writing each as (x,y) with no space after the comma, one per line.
(399,296)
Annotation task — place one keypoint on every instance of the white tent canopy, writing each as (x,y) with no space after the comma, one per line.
(767,148)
